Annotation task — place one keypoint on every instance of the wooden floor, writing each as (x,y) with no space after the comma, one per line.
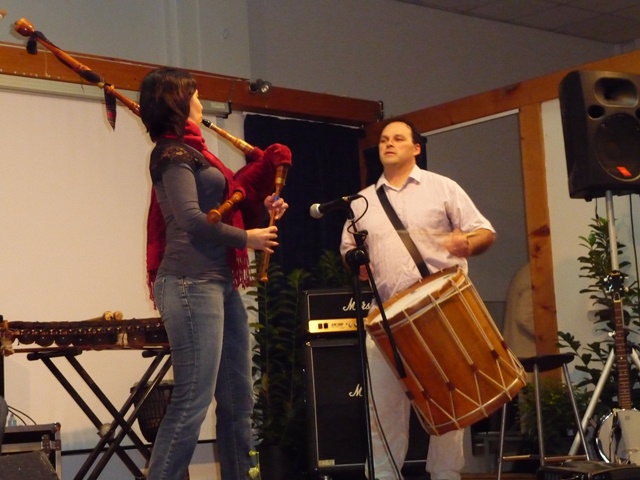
(465,476)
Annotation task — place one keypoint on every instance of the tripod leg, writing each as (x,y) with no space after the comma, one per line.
(592,403)
(576,413)
(635,358)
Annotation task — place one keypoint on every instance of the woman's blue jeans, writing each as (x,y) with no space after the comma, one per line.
(208,331)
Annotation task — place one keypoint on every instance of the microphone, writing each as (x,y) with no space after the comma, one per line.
(317,210)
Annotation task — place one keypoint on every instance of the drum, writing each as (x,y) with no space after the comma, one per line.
(458,369)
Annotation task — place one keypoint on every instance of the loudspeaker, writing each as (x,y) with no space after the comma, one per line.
(601,126)
(27,466)
(335,410)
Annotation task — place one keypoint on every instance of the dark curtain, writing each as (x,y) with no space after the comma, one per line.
(325,166)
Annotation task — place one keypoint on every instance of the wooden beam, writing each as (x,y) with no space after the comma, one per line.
(538,229)
(127,75)
(302,104)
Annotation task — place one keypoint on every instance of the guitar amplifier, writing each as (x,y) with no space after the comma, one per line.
(336,423)
(332,311)
(588,470)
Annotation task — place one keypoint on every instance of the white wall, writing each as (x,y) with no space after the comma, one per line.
(196,34)
(409,57)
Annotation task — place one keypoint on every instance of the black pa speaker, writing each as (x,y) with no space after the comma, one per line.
(601,126)
(27,466)
(335,411)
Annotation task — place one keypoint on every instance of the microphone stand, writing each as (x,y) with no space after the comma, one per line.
(355,258)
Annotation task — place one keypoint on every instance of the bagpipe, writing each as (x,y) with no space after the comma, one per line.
(264,174)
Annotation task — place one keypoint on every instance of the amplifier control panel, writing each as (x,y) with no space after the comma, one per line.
(333,311)
(333,325)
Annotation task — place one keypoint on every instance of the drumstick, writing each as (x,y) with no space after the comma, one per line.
(471,234)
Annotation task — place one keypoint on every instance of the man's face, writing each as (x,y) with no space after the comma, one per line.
(396,147)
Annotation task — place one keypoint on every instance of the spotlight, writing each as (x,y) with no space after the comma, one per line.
(260,87)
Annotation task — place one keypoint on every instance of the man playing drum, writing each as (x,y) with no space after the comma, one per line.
(446,228)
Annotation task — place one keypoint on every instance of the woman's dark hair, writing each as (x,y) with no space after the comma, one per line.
(415,134)
(165,96)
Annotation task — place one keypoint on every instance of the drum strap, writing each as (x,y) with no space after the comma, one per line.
(402,231)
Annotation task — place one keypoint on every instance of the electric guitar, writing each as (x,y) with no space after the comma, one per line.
(618,435)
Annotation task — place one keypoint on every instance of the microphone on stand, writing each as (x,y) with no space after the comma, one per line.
(317,210)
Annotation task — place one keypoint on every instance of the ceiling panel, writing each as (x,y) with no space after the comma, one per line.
(607,21)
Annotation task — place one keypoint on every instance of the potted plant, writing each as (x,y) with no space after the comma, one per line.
(558,420)
(592,357)
(596,266)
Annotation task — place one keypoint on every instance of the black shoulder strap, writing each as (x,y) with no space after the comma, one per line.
(402,231)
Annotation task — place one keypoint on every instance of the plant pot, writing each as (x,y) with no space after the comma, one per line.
(277,463)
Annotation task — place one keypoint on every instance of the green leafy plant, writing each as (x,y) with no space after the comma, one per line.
(279,414)
(330,272)
(591,358)
(559,425)
(279,409)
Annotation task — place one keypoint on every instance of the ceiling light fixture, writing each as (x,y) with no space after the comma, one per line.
(260,87)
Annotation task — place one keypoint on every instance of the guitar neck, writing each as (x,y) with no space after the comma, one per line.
(620,348)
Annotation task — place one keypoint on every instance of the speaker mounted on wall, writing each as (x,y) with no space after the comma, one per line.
(601,127)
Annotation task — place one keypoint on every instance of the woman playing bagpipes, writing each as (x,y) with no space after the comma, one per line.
(196,266)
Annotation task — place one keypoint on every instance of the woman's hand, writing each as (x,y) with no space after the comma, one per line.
(262,239)
(276,205)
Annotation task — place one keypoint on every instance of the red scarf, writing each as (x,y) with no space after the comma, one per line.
(156,240)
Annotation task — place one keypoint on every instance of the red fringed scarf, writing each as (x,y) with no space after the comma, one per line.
(238,259)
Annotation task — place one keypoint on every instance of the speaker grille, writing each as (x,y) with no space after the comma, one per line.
(618,146)
(336,418)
